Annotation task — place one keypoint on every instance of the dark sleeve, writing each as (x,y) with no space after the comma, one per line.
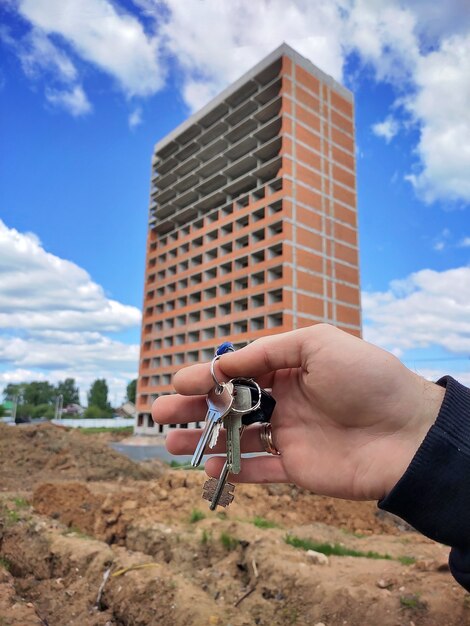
(433,495)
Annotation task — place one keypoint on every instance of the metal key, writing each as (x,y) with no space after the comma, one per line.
(234,426)
(219,491)
(219,402)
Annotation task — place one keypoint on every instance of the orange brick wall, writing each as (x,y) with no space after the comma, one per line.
(320,151)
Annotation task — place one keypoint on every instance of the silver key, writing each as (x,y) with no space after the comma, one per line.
(234,427)
(219,402)
(219,491)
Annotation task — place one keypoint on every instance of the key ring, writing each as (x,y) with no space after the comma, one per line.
(225,347)
(256,406)
(218,384)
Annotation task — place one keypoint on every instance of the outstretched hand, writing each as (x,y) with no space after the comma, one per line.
(348,420)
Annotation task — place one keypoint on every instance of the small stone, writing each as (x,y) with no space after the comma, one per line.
(425,565)
(383,583)
(432,565)
(129,505)
(163,495)
(107,506)
(318,557)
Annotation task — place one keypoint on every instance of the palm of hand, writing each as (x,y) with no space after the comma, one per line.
(331,442)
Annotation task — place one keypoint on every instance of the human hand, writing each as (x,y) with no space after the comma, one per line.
(348,420)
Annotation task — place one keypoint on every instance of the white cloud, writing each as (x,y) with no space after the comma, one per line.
(215,42)
(386,129)
(428,308)
(437,20)
(73,350)
(443,240)
(383,33)
(135,118)
(464,243)
(72,100)
(39,57)
(112,40)
(423,51)
(40,290)
(37,53)
(54,318)
(441,109)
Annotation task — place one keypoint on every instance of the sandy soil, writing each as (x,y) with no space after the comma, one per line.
(89,538)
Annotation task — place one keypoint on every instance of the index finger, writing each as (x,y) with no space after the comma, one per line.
(256,360)
(266,355)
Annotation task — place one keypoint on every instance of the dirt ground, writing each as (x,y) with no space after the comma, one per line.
(87,537)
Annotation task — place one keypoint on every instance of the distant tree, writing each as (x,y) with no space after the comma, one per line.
(13,391)
(96,412)
(43,410)
(98,394)
(36,393)
(24,410)
(131,390)
(2,410)
(69,391)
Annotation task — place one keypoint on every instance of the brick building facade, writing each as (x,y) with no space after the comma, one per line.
(253,222)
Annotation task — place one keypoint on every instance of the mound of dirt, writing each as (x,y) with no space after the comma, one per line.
(89,538)
(30,454)
(107,510)
(218,571)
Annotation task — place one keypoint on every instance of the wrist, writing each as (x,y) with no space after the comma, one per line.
(429,398)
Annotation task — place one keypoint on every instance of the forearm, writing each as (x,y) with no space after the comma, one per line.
(433,495)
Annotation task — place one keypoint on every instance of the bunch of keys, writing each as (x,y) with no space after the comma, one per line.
(235,405)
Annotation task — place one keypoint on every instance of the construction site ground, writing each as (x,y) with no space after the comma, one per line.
(88,537)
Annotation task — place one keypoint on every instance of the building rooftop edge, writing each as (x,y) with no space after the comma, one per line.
(283,50)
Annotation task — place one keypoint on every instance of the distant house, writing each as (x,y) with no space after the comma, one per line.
(126,410)
(73,409)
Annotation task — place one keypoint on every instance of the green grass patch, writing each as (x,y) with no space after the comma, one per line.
(261,522)
(290,615)
(124,430)
(406,560)
(21,503)
(337,549)
(5,563)
(412,601)
(196,516)
(206,537)
(229,542)
(332,548)
(12,517)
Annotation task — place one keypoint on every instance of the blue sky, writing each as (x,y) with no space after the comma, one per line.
(87,89)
